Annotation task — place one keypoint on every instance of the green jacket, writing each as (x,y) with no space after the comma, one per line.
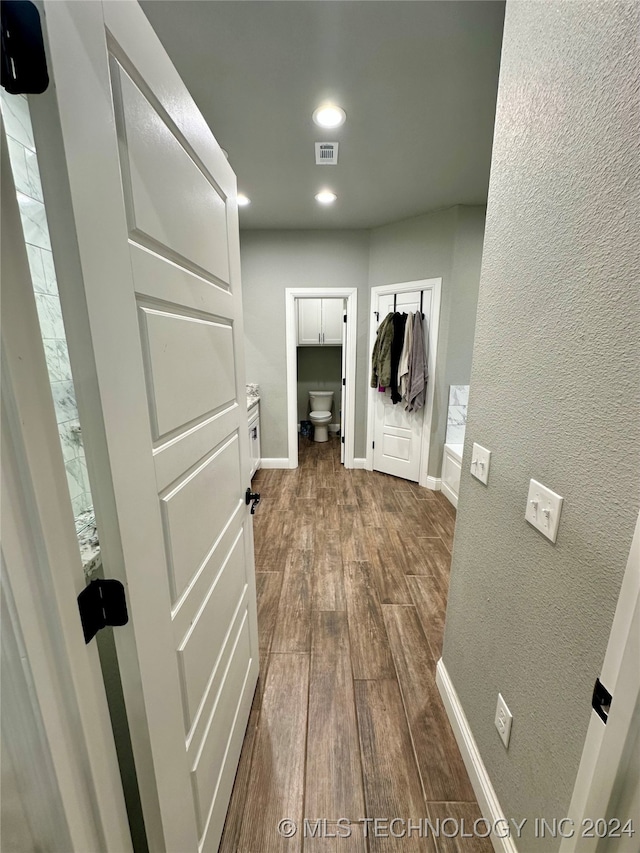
(381,356)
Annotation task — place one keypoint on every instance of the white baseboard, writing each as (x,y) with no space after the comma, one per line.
(480,781)
(359,463)
(434,483)
(449,494)
(274,463)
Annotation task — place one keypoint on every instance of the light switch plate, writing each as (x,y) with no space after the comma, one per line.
(543,509)
(480,459)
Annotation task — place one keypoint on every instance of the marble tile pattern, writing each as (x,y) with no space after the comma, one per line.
(253,394)
(457,413)
(26,175)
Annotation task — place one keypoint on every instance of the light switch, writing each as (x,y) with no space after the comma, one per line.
(543,509)
(480,459)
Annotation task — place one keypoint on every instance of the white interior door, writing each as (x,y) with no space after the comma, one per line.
(309,322)
(61,787)
(156,326)
(332,321)
(398,433)
(607,788)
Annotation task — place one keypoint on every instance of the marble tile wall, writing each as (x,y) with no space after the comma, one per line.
(457,413)
(24,164)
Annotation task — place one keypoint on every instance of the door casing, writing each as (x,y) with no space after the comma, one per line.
(351,295)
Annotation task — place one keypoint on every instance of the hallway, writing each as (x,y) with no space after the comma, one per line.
(352,575)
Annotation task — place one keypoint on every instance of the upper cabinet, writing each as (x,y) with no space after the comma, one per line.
(320,322)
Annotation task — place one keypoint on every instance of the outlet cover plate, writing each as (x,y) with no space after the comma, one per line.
(480,459)
(503,720)
(543,509)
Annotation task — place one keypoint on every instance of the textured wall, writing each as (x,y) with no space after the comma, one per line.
(271,262)
(554,395)
(446,244)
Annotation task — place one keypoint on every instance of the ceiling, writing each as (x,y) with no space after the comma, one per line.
(417,79)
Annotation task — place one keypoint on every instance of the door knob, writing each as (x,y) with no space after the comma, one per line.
(250,496)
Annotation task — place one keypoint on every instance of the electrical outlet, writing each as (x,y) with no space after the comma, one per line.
(480,459)
(503,720)
(543,509)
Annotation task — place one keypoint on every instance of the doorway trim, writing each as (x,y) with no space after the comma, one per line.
(434,285)
(351,295)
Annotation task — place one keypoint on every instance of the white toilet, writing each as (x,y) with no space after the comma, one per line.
(320,403)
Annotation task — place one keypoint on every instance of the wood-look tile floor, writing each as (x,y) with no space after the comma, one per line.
(352,573)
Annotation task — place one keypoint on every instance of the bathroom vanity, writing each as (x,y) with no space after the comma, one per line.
(253,407)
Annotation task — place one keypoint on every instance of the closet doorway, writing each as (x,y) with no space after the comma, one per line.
(344,403)
(398,441)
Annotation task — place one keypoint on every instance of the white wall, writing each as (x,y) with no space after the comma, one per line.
(555,395)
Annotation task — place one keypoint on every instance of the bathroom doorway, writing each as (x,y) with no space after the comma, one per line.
(321,325)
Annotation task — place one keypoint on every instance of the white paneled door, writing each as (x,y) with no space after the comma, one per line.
(155,331)
(400,438)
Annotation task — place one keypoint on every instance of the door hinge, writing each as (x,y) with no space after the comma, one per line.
(342,439)
(24,64)
(102,603)
(373,445)
(344,381)
(601,701)
(344,317)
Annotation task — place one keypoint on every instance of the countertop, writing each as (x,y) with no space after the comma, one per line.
(252,400)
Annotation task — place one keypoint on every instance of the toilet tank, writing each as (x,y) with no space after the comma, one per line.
(320,401)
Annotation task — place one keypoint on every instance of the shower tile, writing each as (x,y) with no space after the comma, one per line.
(19,166)
(457,415)
(36,268)
(455,433)
(33,175)
(34,221)
(49,272)
(64,401)
(50,316)
(15,112)
(458,395)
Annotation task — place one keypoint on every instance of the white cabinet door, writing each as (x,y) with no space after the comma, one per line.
(158,327)
(332,321)
(309,322)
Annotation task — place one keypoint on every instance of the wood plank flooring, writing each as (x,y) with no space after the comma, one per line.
(352,571)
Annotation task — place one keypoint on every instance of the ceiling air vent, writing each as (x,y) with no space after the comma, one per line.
(326,153)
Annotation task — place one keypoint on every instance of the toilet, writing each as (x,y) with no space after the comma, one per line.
(320,403)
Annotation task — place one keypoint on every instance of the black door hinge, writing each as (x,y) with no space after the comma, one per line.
(344,381)
(344,317)
(373,445)
(601,701)
(342,439)
(102,603)
(24,64)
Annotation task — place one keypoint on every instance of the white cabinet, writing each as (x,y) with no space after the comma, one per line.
(320,322)
(254,438)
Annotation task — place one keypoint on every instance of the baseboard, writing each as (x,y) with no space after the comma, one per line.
(434,483)
(449,494)
(480,781)
(274,463)
(359,463)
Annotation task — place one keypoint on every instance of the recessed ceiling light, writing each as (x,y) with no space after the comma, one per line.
(329,115)
(326,197)
(243,201)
